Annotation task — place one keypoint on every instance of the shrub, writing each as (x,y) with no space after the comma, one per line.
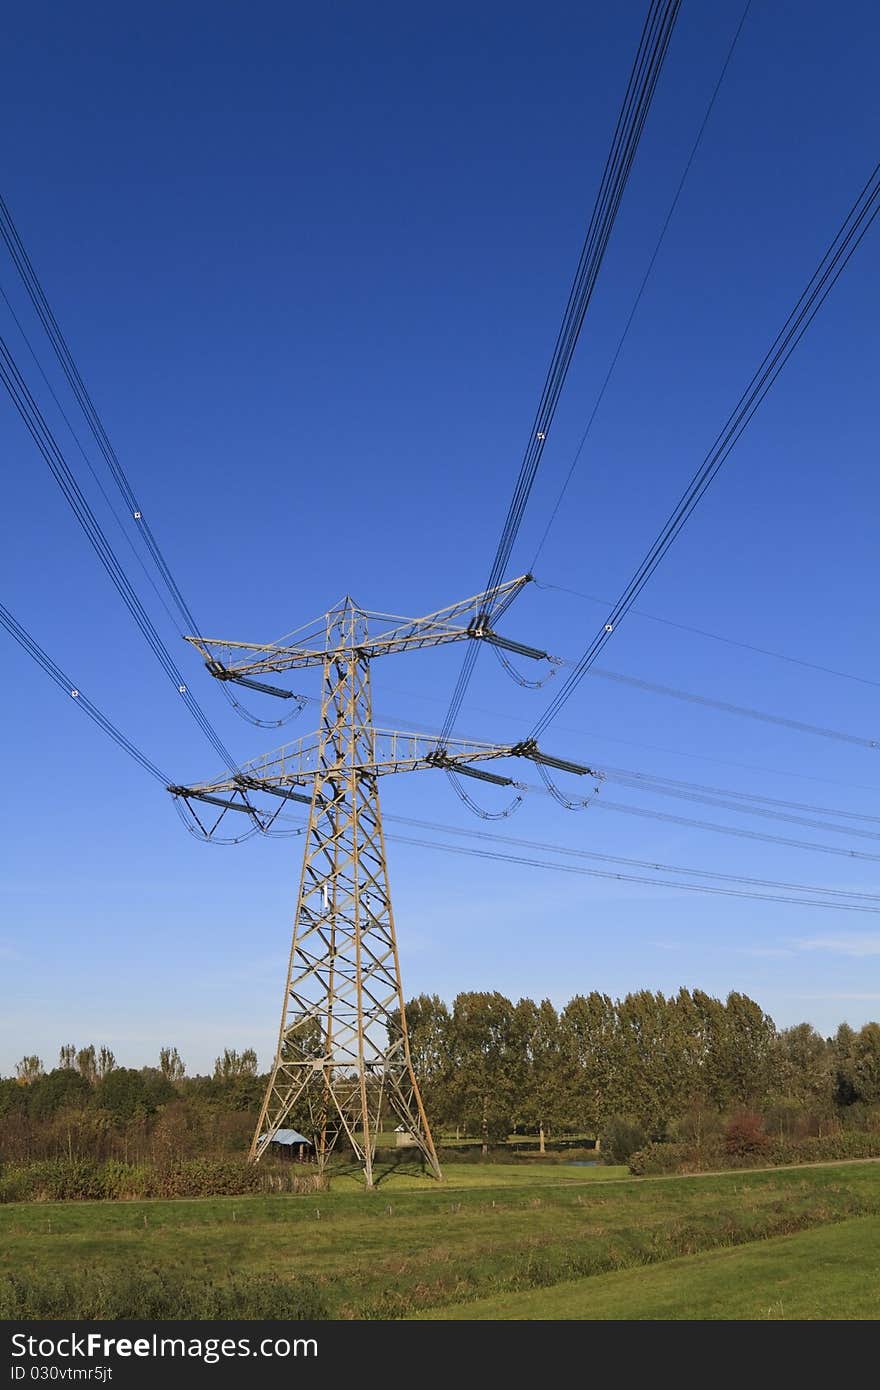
(621,1137)
(659,1158)
(745,1135)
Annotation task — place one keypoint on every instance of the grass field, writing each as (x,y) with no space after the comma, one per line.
(829,1273)
(495,1241)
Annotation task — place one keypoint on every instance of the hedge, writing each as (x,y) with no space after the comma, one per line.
(83,1179)
(656,1159)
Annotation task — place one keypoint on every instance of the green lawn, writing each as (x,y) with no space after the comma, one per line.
(491,1231)
(407,1175)
(829,1273)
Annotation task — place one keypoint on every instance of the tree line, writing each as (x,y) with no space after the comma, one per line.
(88,1106)
(623,1071)
(489,1066)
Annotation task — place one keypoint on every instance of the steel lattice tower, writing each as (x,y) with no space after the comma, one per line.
(343,1051)
(337,1045)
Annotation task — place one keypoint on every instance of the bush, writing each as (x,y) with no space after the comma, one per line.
(745,1135)
(621,1137)
(659,1158)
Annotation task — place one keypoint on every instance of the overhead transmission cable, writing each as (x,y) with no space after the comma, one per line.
(741,806)
(726,707)
(472,833)
(748,800)
(648,813)
(43,310)
(64,683)
(619,877)
(49,448)
(89,465)
(661,748)
(741,886)
(785,721)
(630,123)
(834,895)
(728,798)
(852,231)
(716,636)
(642,287)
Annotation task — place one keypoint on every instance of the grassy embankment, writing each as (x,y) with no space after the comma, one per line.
(832,1272)
(493,1241)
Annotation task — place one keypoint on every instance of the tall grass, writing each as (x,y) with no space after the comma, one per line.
(84,1179)
(154,1294)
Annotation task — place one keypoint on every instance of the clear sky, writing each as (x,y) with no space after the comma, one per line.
(311,261)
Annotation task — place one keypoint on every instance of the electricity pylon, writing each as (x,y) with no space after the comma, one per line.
(343,1047)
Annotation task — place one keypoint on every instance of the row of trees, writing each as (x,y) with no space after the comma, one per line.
(89,1106)
(487,1066)
(95,1065)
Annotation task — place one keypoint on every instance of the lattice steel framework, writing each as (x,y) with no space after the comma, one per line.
(343,1051)
(338,1046)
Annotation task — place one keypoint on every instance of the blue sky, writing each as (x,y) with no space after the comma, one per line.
(311,265)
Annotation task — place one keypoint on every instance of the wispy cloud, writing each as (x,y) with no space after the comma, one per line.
(763,952)
(853,945)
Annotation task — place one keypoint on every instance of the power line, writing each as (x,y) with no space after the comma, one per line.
(43,309)
(641,290)
(621,808)
(741,805)
(630,123)
(716,637)
(49,448)
(633,878)
(869,902)
(654,783)
(833,262)
(726,707)
(78,442)
(40,303)
(578,853)
(660,748)
(745,803)
(64,683)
